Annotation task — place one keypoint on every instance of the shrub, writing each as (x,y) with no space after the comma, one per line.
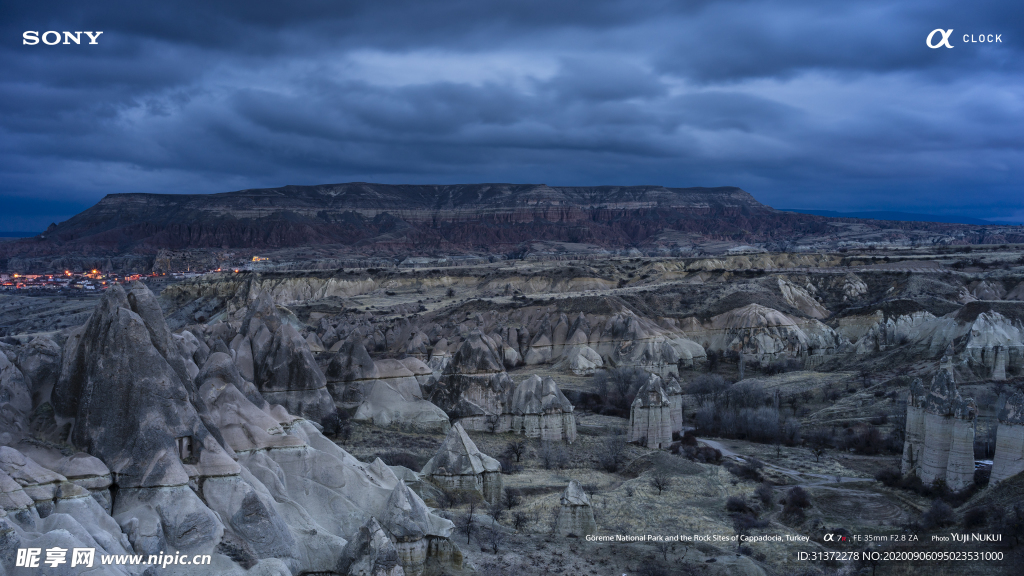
(766,494)
(736,504)
(940,514)
(796,501)
(337,425)
(975,517)
(553,456)
(618,388)
(611,457)
(661,481)
(891,477)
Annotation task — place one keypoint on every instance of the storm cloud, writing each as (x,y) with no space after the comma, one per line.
(826,105)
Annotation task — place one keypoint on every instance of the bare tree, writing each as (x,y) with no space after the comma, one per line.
(517,449)
(496,511)
(467,523)
(661,481)
(492,422)
(520,520)
(495,537)
(818,451)
(612,454)
(510,498)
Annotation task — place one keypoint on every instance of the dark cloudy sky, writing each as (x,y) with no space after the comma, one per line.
(817,104)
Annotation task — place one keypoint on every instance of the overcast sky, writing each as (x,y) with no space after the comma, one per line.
(820,104)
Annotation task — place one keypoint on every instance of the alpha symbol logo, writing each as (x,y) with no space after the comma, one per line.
(945,38)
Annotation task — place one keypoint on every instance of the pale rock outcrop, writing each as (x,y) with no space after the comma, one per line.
(581,360)
(15,401)
(948,453)
(626,339)
(1009,455)
(575,516)
(994,340)
(396,399)
(289,504)
(650,416)
(371,553)
(417,534)
(386,392)
(120,383)
(474,385)
(913,444)
(674,390)
(283,367)
(39,362)
(476,391)
(800,299)
(985,290)
(764,334)
(887,332)
(459,465)
(540,410)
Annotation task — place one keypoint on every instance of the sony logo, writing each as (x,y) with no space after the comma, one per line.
(51,37)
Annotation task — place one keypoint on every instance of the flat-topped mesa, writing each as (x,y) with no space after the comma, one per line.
(651,415)
(1009,455)
(575,515)
(459,465)
(948,454)
(540,410)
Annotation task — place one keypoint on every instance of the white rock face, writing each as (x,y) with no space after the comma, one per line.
(651,415)
(913,445)
(576,516)
(764,334)
(276,495)
(459,465)
(948,443)
(476,391)
(540,410)
(1009,456)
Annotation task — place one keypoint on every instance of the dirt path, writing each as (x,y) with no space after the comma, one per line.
(818,480)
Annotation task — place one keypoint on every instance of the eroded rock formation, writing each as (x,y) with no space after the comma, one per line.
(203,463)
(652,415)
(459,465)
(939,444)
(1009,455)
(575,516)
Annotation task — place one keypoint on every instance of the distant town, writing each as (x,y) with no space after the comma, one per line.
(95,281)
